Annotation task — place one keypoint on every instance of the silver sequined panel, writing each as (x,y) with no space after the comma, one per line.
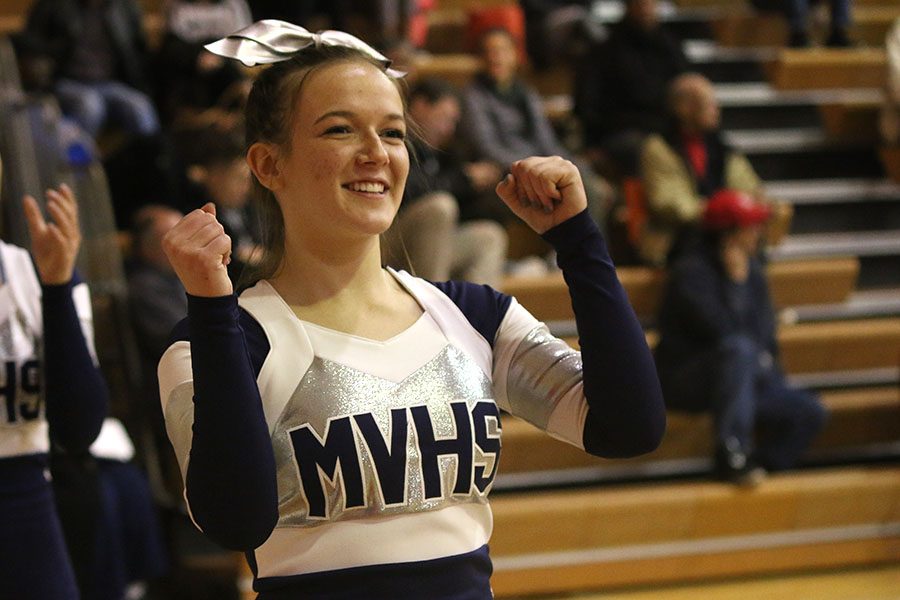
(330,390)
(543,370)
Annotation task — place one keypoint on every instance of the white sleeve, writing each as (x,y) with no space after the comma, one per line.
(537,377)
(176,392)
(81,297)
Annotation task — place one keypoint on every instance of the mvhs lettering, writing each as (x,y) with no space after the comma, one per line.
(337,455)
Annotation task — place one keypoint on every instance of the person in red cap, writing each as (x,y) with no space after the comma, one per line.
(718,351)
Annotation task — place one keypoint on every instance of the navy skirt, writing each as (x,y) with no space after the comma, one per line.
(34,564)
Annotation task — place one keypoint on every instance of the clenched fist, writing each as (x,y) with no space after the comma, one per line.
(200,251)
(543,191)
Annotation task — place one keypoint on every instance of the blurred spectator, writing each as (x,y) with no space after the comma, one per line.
(554,29)
(798,21)
(217,172)
(688,163)
(97,48)
(106,507)
(156,296)
(503,118)
(890,112)
(442,222)
(312,14)
(717,326)
(192,79)
(157,301)
(622,84)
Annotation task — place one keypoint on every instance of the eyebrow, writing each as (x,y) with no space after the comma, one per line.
(349,115)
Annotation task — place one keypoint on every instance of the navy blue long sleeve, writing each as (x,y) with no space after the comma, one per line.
(230,481)
(76,395)
(627,413)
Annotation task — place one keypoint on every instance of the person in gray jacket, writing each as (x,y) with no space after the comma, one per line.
(503,118)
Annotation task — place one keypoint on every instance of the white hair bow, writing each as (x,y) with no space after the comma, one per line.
(270,41)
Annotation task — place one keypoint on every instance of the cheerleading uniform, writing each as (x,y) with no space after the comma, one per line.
(42,328)
(353,468)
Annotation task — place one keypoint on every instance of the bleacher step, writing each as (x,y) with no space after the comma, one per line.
(560,541)
(818,281)
(832,346)
(761,93)
(862,304)
(848,378)
(704,51)
(863,243)
(834,191)
(828,68)
(781,141)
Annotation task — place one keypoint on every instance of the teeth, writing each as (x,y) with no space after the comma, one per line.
(367,186)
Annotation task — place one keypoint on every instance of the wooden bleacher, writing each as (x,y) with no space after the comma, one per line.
(890,158)
(565,541)
(840,345)
(747,29)
(828,68)
(12,15)
(854,120)
(458,69)
(796,282)
(828,346)
(743,27)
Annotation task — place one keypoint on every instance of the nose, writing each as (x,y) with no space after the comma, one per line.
(373,150)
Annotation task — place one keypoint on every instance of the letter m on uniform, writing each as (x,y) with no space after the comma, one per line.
(334,457)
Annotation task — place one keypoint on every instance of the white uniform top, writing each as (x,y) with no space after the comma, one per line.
(366,431)
(23,428)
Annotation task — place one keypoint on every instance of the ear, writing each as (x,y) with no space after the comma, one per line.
(264,161)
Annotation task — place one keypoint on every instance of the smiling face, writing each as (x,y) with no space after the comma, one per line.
(345,170)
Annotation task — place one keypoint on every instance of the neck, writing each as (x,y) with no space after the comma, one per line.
(315,275)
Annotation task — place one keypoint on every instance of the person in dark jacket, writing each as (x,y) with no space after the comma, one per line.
(192,80)
(449,221)
(798,21)
(718,351)
(216,172)
(98,50)
(623,84)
